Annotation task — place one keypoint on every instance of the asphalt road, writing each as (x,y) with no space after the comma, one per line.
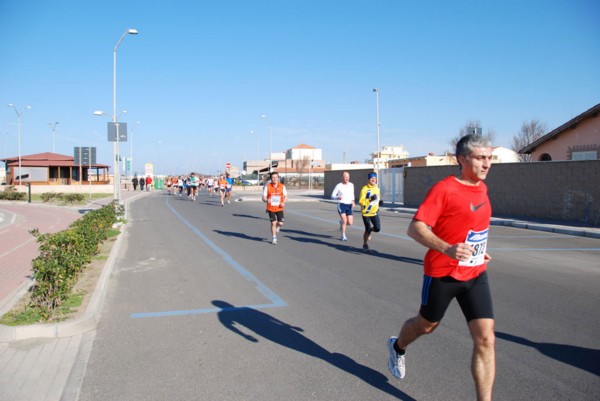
(202,307)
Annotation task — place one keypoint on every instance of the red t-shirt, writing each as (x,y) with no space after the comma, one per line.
(456,213)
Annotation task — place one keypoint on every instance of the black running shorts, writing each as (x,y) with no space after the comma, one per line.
(473,296)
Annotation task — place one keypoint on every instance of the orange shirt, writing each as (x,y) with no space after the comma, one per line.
(275,197)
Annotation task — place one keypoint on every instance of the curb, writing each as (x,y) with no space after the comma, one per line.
(87,322)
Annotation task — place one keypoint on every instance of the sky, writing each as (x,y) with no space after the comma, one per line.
(199,75)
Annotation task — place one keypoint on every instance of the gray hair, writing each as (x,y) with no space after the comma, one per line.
(466,144)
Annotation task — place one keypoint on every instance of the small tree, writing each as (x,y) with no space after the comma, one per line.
(530,132)
(301,165)
(468,128)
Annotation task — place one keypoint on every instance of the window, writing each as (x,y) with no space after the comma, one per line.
(587,155)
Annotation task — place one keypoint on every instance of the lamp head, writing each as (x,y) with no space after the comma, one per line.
(132,31)
(99,113)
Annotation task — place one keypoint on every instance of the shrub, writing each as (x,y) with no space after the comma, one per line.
(64,255)
(10,193)
(73,198)
(50,196)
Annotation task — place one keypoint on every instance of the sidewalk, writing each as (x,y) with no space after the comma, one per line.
(37,362)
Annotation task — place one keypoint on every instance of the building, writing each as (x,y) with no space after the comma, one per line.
(388,153)
(300,163)
(53,169)
(577,139)
(499,155)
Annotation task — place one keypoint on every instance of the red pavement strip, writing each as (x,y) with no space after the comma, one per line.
(18,247)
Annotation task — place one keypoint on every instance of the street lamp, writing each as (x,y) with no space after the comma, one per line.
(130,139)
(117,173)
(270,140)
(116,184)
(53,136)
(376,90)
(257,156)
(19,118)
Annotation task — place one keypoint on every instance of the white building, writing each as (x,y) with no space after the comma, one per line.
(303,151)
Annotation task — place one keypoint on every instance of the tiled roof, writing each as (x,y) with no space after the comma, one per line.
(593,112)
(46,159)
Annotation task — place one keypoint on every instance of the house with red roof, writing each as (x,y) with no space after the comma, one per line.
(577,139)
(53,169)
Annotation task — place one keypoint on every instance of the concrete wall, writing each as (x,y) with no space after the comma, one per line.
(564,190)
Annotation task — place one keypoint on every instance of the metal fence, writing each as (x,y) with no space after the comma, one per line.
(391,184)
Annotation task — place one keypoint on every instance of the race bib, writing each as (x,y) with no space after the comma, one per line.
(478,240)
(275,200)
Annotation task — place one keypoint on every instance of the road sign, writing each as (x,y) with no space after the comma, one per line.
(84,155)
(112,129)
(227,166)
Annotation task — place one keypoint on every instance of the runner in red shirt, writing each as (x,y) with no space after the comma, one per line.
(453,222)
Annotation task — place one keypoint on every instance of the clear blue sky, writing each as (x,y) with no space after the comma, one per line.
(200,73)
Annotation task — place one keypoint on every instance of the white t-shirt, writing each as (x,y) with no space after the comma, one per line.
(346,191)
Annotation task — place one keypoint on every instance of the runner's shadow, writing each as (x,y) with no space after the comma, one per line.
(239,235)
(579,357)
(339,247)
(305,233)
(272,329)
(353,249)
(248,216)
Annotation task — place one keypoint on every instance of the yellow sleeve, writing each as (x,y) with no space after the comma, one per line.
(362,199)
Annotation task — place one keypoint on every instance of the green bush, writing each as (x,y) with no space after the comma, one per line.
(73,198)
(50,196)
(10,193)
(64,255)
(61,197)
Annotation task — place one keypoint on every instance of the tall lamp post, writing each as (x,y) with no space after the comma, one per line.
(19,129)
(116,184)
(131,150)
(376,90)
(257,156)
(117,173)
(270,141)
(53,125)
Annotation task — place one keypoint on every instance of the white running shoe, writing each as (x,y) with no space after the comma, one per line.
(344,238)
(396,363)
(274,241)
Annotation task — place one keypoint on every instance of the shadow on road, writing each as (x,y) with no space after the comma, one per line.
(240,235)
(348,248)
(248,216)
(579,357)
(308,234)
(279,332)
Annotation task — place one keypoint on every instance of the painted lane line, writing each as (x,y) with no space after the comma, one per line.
(275,300)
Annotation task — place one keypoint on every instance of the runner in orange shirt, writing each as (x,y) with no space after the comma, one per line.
(222,185)
(275,195)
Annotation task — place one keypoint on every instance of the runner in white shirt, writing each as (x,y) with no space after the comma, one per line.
(344,192)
